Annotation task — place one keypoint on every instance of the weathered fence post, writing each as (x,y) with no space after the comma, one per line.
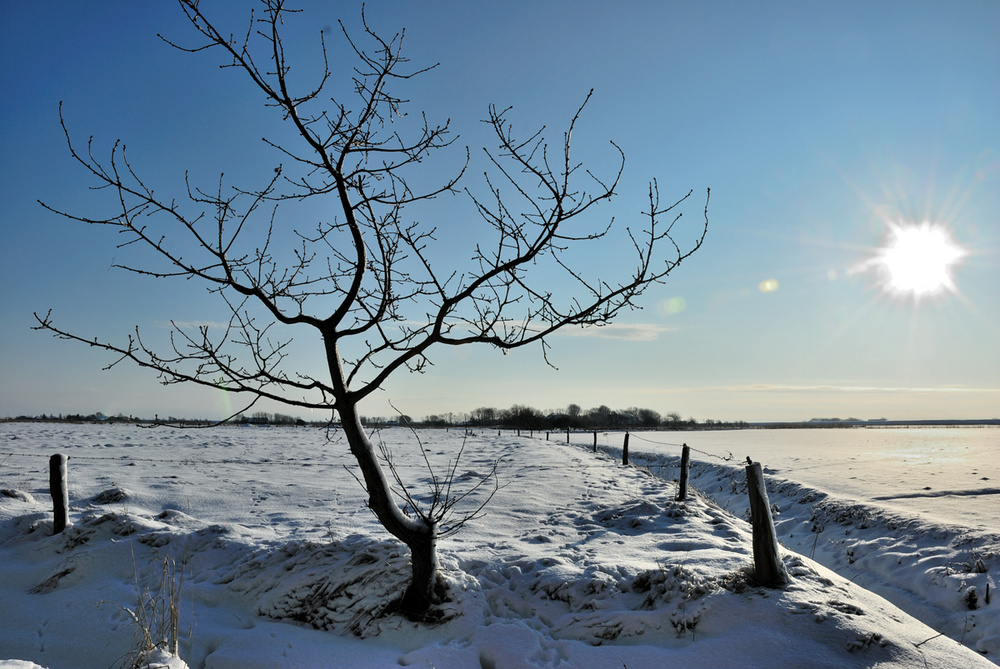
(769,570)
(59,488)
(595,441)
(625,450)
(567,435)
(546,436)
(685,461)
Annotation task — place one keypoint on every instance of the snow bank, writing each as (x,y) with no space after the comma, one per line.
(937,572)
(580,562)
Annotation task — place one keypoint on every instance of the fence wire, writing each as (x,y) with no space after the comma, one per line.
(341,459)
(726,458)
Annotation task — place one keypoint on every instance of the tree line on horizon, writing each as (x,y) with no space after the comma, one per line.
(516,417)
(573,417)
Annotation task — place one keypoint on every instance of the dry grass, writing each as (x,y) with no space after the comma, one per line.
(156,617)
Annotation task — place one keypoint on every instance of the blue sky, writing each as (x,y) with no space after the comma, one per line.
(816,125)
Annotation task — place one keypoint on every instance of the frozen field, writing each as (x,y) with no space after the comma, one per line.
(580,562)
(949,475)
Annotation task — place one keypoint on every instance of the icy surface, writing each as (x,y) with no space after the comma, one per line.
(947,475)
(580,562)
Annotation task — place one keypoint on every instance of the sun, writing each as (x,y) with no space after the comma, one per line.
(917,260)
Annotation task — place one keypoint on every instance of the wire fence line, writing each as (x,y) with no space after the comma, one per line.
(726,458)
(182,461)
(341,460)
(57,464)
(729,457)
(345,459)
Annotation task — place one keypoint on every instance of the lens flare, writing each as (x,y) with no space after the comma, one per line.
(768,285)
(674,305)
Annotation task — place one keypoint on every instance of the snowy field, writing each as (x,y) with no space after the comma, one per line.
(579,562)
(911,514)
(946,475)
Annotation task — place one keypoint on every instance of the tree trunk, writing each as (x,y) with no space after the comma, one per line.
(419,535)
(424,581)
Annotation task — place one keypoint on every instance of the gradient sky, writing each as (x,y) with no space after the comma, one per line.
(816,125)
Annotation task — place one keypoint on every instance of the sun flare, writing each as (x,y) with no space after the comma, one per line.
(917,260)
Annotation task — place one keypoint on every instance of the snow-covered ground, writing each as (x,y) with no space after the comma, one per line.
(911,514)
(947,475)
(579,562)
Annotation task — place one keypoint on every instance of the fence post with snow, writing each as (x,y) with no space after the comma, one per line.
(59,488)
(769,570)
(682,490)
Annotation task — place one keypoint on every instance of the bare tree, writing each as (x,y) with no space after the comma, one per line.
(364,279)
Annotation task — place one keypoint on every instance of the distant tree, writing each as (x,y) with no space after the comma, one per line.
(285,419)
(573,418)
(363,276)
(484,416)
(648,418)
(602,416)
(523,418)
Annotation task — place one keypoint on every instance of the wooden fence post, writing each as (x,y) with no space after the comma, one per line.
(685,461)
(567,435)
(59,488)
(546,436)
(595,441)
(769,570)
(625,450)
